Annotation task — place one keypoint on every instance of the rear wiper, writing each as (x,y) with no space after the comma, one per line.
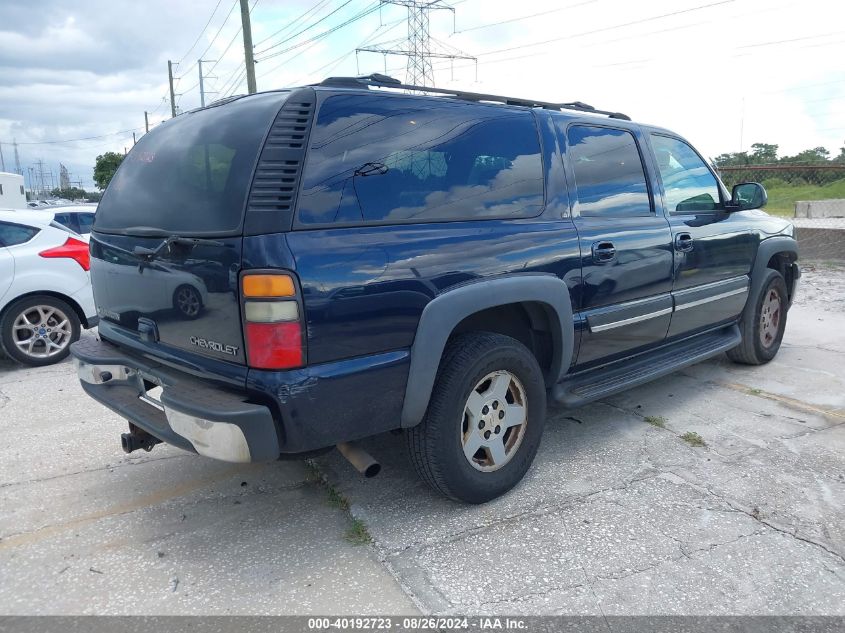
(149,254)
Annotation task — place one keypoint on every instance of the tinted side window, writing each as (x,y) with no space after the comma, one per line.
(65,220)
(14,234)
(85,221)
(687,183)
(396,159)
(609,174)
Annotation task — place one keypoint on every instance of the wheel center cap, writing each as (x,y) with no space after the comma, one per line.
(42,331)
(491,419)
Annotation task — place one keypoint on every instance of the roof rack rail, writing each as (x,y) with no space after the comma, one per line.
(383,81)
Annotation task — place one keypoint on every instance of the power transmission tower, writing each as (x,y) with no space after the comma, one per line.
(64,177)
(248,52)
(18,169)
(202,80)
(419,47)
(172,95)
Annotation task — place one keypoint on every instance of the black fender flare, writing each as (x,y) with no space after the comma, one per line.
(446,310)
(767,248)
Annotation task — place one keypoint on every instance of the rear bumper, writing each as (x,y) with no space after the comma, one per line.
(192,415)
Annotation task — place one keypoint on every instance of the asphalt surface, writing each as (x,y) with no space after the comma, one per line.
(619,515)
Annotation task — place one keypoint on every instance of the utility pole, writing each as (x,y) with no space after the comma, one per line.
(172,96)
(133,139)
(2,162)
(248,57)
(146,121)
(202,87)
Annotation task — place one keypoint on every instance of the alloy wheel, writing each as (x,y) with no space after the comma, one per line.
(770,315)
(494,421)
(42,331)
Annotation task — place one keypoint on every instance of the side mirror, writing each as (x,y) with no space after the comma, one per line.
(748,195)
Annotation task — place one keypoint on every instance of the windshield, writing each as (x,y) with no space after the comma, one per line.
(190,175)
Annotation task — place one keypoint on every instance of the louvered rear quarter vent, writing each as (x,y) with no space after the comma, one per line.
(272,198)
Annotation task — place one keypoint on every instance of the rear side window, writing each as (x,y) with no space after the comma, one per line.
(191,175)
(14,234)
(377,159)
(609,174)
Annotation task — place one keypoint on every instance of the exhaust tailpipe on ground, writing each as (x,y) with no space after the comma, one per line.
(363,462)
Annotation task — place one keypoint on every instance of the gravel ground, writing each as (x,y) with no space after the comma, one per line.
(619,515)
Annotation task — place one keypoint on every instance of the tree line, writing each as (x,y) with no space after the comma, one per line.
(767,154)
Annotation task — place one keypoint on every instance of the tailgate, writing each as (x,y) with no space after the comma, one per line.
(185,298)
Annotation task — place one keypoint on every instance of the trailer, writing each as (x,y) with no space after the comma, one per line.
(12,193)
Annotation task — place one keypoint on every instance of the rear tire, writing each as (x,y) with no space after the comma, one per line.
(38,330)
(763,322)
(484,420)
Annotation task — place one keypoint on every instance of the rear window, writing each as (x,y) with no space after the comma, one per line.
(376,159)
(191,175)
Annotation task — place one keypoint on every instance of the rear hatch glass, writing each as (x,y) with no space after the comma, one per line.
(166,245)
(190,175)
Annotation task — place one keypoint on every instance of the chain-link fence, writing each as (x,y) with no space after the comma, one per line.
(784,174)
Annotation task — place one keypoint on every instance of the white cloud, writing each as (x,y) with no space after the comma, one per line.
(93,66)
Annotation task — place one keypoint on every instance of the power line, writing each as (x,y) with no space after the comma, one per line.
(307,28)
(336,61)
(213,39)
(84,138)
(525,17)
(324,34)
(211,17)
(294,22)
(607,28)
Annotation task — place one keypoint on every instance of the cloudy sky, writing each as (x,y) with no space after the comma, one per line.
(725,73)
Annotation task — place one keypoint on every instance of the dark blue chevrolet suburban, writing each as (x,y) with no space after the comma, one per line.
(283,272)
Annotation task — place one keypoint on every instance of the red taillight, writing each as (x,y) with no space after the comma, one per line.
(272,321)
(274,345)
(73,249)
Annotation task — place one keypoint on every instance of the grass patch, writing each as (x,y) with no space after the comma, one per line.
(656,420)
(782,199)
(693,439)
(358,534)
(754,391)
(335,499)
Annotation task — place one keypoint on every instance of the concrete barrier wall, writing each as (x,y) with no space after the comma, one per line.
(820,243)
(820,209)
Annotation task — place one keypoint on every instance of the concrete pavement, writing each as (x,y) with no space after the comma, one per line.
(620,514)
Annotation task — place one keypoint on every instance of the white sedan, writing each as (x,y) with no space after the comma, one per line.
(45,288)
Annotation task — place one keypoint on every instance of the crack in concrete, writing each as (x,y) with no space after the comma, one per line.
(735,506)
(422,546)
(93,470)
(527,596)
(184,504)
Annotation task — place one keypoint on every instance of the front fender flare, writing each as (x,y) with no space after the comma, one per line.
(443,313)
(765,251)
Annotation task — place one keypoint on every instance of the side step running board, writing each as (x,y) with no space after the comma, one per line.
(579,389)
